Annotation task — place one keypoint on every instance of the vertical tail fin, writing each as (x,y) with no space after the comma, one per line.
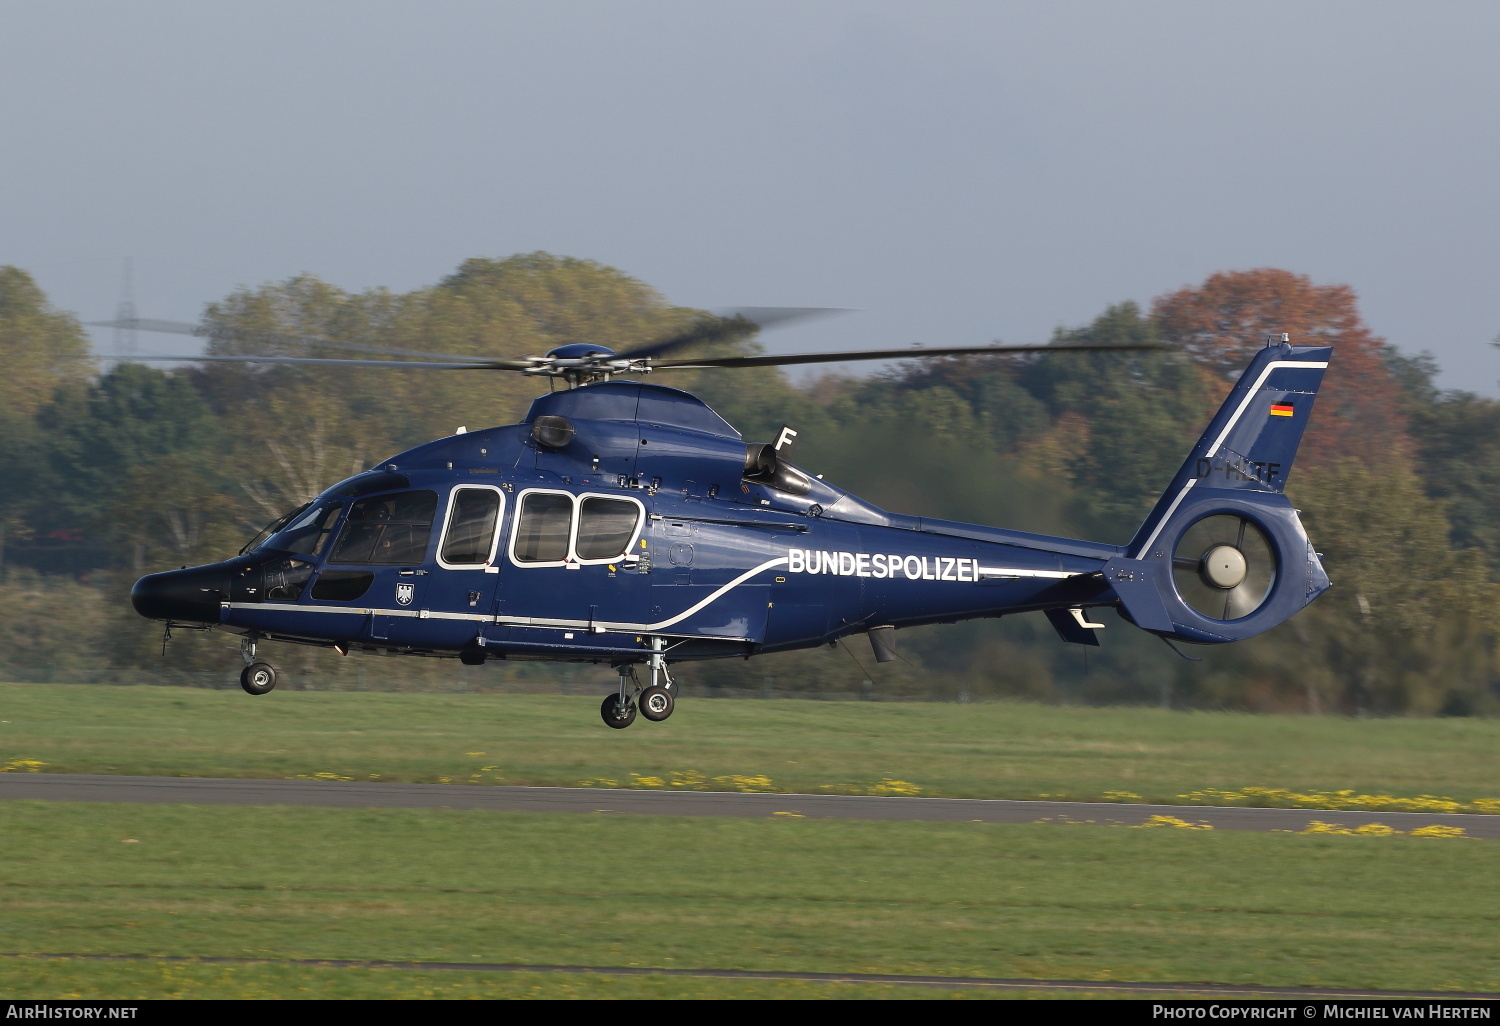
(1222,556)
(1250,444)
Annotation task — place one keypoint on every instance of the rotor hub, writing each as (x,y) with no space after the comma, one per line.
(580,351)
(1223,566)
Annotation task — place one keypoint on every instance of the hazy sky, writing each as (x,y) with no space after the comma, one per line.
(957,172)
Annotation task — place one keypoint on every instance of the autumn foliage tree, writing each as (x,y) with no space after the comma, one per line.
(1221,323)
(40,347)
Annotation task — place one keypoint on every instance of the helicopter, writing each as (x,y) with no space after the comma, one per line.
(626,522)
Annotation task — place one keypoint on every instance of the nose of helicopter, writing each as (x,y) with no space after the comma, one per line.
(191,595)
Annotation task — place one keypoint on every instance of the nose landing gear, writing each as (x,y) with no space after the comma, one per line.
(256,678)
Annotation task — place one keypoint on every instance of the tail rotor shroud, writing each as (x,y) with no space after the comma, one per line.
(1224,566)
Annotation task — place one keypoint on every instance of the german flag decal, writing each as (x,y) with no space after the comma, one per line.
(1282,410)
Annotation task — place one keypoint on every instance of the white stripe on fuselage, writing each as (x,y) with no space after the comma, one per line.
(604,625)
(527,621)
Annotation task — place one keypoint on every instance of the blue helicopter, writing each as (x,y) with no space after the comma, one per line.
(627,523)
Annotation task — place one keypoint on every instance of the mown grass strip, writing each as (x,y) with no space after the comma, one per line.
(991,750)
(787,895)
(31,979)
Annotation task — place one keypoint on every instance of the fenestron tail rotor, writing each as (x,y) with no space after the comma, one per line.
(1224,566)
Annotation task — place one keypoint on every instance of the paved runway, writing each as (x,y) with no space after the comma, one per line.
(355,794)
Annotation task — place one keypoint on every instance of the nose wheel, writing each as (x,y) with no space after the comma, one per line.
(257,678)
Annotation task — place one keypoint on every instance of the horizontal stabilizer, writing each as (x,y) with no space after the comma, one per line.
(1069,626)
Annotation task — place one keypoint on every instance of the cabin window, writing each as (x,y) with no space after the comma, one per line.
(556,528)
(470,537)
(307,533)
(606,527)
(387,529)
(544,527)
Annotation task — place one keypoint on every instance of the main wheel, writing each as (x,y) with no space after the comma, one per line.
(616,713)
(656,703)
(258,678)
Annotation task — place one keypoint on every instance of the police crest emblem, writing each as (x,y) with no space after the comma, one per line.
(404,594)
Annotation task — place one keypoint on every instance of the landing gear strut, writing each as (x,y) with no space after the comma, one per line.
(256,678)
(655,701)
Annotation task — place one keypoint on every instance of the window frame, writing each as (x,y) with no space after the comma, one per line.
(494,540)
(577,500)
(640,525)
(329,534)
(515,527)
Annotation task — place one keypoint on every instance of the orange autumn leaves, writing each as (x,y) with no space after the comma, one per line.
(1220,324)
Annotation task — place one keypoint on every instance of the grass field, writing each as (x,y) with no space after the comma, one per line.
(1038,901)
(32,979)
(990,750)
(1059,902)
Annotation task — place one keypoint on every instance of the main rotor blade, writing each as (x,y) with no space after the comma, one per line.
(767,318)
(333,343)
(394,364)
(269,337)
(883,354)
(732,324)
(143,324)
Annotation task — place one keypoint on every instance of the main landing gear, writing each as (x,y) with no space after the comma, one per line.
(618,710)
(655,701)
(256,678)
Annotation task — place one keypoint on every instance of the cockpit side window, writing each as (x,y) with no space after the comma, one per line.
(307,534)
(544,528)
(387,529)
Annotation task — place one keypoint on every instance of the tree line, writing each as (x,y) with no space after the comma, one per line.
(107,472)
